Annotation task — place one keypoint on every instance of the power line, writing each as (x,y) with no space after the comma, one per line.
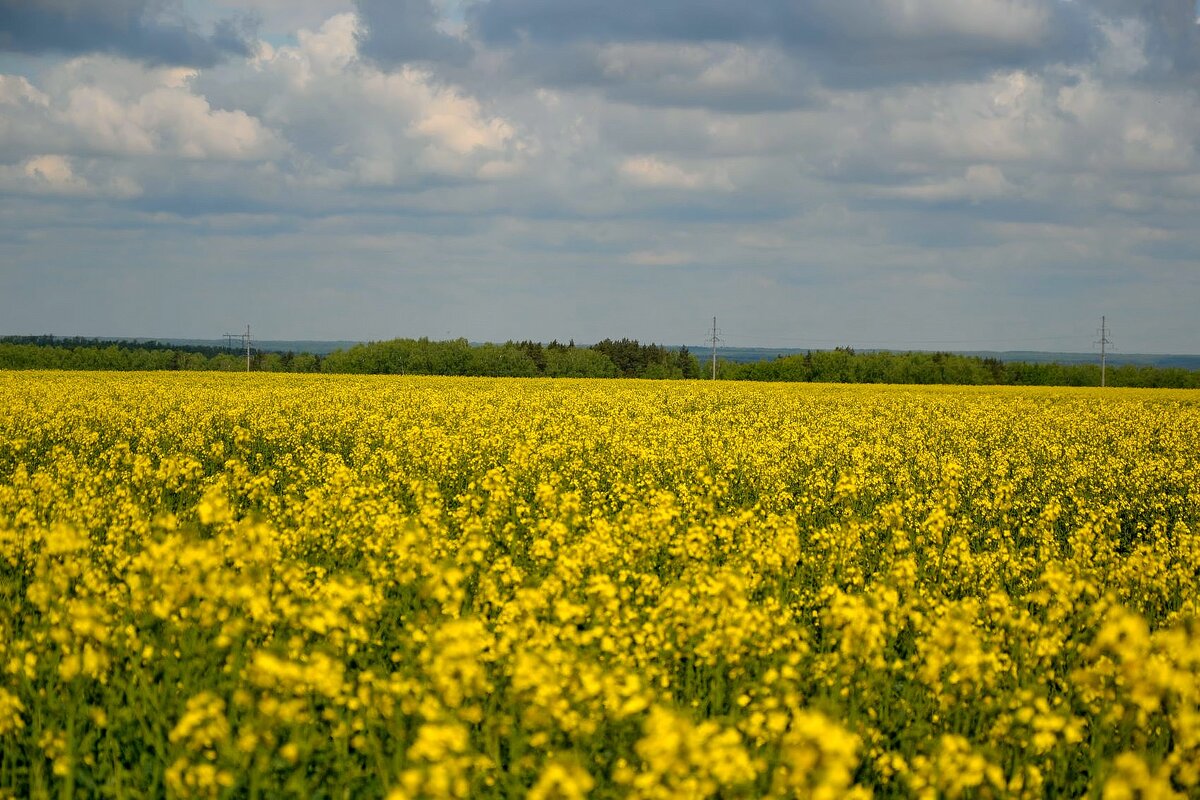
(245,339)
(1104,341)
(822,340)
(715,339)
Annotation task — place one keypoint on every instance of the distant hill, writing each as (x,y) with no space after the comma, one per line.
(746,355)
(1116,359)
(316,347)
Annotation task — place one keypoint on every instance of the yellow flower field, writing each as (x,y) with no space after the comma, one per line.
(230,585)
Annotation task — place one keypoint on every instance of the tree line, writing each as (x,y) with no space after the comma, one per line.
(77,342)
(139,356)
(844,365)
(610,358)
(624,358)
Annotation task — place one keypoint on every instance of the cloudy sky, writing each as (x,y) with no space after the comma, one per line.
(953,174)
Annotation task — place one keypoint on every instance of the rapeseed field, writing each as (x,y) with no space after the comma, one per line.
(260,586)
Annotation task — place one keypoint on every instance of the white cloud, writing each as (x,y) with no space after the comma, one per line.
(103,123)
(1005,118)
(654,173)
(55,174)
(353,123)
(329,49)
(166,121)
(453,121)
(1013,21)
(16,90)
(1121,129)
(325,118)
(153,114)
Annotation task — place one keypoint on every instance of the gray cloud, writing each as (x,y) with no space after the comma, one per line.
(846,42)
(405,31)
(138,29)
(724,76)
(1172,34)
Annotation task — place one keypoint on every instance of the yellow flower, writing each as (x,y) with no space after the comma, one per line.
(562,780)
(11,709)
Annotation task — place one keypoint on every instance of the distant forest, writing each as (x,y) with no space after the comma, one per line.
(621,358)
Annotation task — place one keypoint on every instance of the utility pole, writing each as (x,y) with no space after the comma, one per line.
(1103,342)
(715,339)
(245,337)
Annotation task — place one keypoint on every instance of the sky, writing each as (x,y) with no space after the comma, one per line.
(907,174)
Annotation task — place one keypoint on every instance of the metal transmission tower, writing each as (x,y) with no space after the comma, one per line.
(245,339)
(715,339)
(1104,342)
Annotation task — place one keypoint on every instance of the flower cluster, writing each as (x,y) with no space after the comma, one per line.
(227,585)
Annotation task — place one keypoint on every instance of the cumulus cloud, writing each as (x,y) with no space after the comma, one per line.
(52,173)
(314,115)
(355,122)
(17,90)
(58,175)
(155,32)
(155,115)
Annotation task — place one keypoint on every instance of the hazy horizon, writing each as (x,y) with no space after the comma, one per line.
(975,175)
(697,348)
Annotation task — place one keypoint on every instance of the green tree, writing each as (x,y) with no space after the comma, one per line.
(578,362)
